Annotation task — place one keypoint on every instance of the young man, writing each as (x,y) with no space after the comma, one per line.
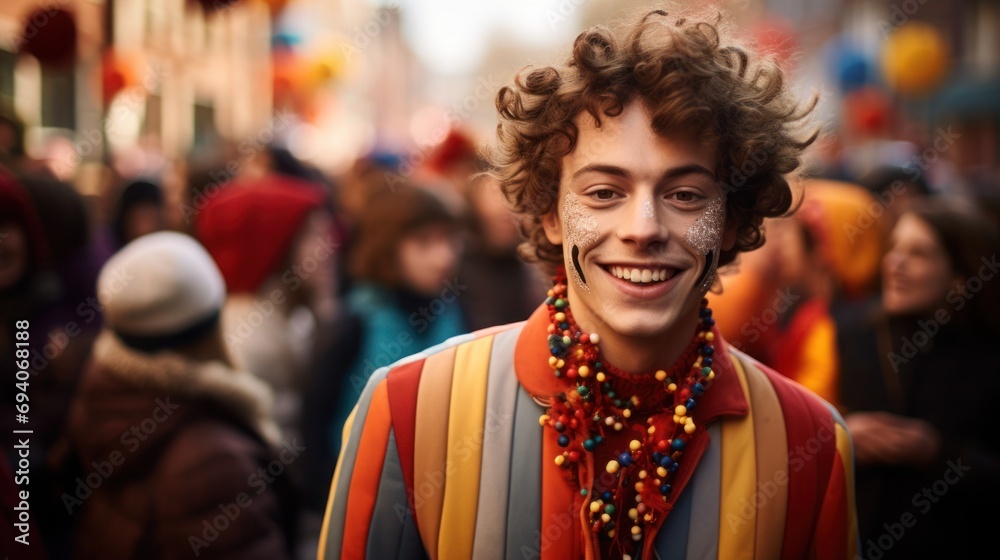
(615,422)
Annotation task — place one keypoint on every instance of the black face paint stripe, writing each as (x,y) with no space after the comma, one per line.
(576,263)
(709,259)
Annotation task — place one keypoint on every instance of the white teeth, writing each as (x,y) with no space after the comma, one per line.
(640,275)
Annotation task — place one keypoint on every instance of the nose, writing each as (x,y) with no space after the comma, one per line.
(643,223)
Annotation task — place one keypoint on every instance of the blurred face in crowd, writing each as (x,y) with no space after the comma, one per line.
(427,257)
(916,270)
(314,253)
(13,254)
(641,219)
(497,223)
(142,219)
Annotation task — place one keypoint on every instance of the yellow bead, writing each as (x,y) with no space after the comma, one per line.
(618,426)
(627,413)
(584,371)
(711,375)
(689,420)
(612,466)
(710,336)
(611,534)
(560,363)
(672,387)
(560,460)
(601,377)
(661,375)
(636,530)
(595,507)
(643,474)
(639,486)
(605,517)
(553,361)
(609,421)
(637,538)
(595,339)
(677,419)
(689,428)
(661,472)
(543,419)
(634,444)
(651,429)
(560,317)
(681,410)
(649,516)
(633,513)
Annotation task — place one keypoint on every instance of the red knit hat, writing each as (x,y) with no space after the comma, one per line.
(249,229)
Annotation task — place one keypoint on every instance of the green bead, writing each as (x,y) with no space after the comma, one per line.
(582,390)
(609,509)
(583,491)
(706,370)
(567,340)
(560,303)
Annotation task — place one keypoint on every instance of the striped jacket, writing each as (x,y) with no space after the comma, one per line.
(445,459)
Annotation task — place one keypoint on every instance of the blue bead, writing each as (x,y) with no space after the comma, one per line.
(589,444)
(550,300)
(707,351)
(560,427)
(657,456)
(563,440)
(698,389)
(564,326)
(599,439)
(706,361)
(665,489)
(555,351)
(677,445)
(666,461)
(705,312)
(708,321)
(690,404)
(606,496)
(625,459)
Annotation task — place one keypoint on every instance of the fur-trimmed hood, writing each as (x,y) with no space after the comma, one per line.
(128,397)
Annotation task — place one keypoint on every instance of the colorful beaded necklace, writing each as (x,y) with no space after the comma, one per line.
(588,412)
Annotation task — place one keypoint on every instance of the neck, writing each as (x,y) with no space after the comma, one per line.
(639,355)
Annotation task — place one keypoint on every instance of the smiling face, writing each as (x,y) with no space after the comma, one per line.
(916,270)
(641,219)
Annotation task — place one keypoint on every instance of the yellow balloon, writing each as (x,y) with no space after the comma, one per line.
(915,59)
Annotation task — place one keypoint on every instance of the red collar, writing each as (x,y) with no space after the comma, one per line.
(531,356)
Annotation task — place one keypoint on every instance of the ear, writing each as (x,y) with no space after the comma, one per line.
(553,226)
(729,234)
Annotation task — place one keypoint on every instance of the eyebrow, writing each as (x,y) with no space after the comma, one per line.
(617,171)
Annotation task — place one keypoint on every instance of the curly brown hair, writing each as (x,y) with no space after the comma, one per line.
(690,77)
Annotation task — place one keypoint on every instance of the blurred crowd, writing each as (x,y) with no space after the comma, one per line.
(195,358)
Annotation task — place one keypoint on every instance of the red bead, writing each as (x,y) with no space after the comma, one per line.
(574,456)
(563,419)
(584,338)
(573,423)
(662,446)
(684,394)
(571,373)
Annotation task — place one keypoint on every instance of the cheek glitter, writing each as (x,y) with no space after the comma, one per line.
(705,237)
(580,230)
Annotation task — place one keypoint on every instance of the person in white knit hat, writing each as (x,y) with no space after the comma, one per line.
(179,454)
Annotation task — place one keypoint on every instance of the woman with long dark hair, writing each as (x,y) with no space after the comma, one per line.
(918,383)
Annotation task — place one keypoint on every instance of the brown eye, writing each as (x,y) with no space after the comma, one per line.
(605,194)
(685,196)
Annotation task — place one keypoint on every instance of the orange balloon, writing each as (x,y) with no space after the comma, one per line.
(915,59)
